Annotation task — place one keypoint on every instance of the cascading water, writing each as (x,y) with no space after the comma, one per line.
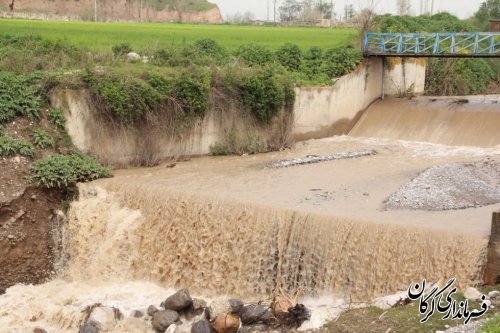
(229,226)
(129,231)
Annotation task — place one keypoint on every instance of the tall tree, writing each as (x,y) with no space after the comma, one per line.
(403,7)
(488,10)
(290,10)
(325,8)
(349,12)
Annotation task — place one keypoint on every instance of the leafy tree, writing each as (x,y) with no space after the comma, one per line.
(290,10)
(325,8)
(490,9)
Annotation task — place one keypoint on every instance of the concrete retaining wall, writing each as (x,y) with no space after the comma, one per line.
(325,111)
(318,112)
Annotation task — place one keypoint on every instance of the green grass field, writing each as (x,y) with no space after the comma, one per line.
(102,36)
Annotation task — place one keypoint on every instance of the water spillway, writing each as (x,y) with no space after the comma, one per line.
(133,231)
(454,122)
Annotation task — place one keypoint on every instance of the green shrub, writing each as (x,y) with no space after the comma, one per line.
(313,60)
(42,139)
(209,48)
(64,171)
(56,118)
(341,61)
(121,49)
(192,90)
(25,148)
(125,98)
(458,76)
(19,96)
(219,149)
(187,56)
(263,96)
(290,56)
(10,146)
(255,55)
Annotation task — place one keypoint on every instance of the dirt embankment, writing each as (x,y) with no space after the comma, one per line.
(27,245)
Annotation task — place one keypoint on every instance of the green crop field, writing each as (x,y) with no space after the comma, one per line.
(102,36)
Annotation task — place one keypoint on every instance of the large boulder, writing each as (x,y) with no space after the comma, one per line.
(494,294)
(179,301)
(104,317)
(137,314)
(197,309)
(255,313)
(163,319)
(202,326)
(39,330)
(227,323)
(89,327)
(218,306)
(236,305)
(472,294)
(152,310)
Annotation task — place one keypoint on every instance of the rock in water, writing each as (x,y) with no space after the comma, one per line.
(138,314)
(236,305)
(104,317)
(295,316)
(163,319)
(179,301)
(218,306)
(88,327)
(202,326)
(39,330)
(472,294)
(152,310)
(255,313)
(227,323)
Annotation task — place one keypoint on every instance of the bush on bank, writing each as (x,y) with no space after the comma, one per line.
(64,171)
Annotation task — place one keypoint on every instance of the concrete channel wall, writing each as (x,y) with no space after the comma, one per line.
(325,111)
(318,112)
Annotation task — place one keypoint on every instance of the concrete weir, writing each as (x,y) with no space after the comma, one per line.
(233,225)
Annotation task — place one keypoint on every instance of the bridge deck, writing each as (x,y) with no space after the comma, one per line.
(456,45)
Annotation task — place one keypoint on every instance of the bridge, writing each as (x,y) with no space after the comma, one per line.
(416,45)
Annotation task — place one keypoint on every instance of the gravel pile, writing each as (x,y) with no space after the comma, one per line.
(310,159)
(451,186)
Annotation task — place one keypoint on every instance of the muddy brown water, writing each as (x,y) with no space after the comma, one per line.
(229,225)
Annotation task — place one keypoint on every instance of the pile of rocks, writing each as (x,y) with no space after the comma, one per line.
(450,186)
(180,313)
(311,159)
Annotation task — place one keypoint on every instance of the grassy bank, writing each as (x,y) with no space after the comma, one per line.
(100,36)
